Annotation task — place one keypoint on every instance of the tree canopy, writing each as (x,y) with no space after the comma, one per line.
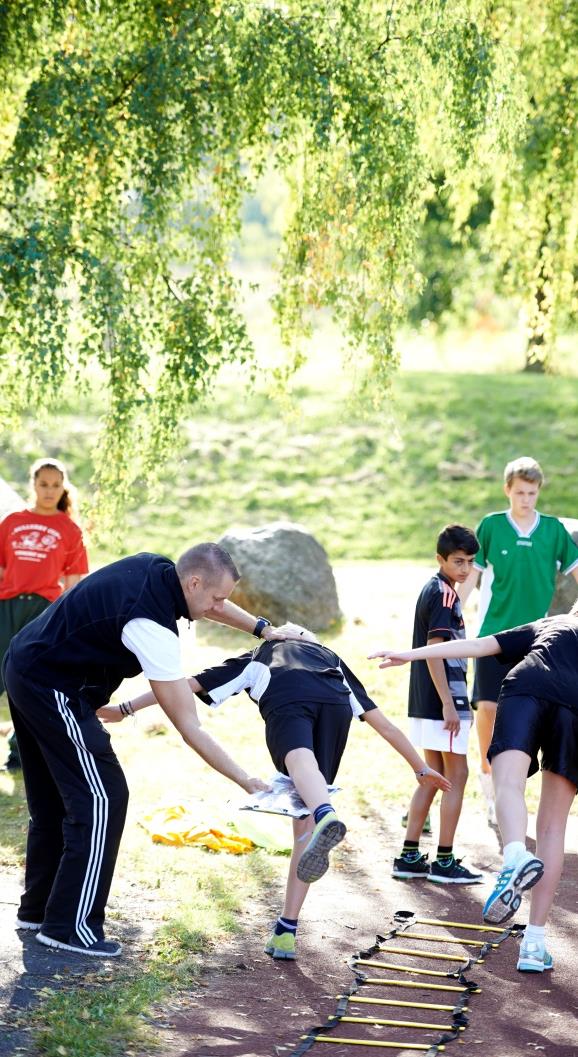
(130,131)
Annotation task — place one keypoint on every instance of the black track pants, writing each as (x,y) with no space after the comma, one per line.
(77,797)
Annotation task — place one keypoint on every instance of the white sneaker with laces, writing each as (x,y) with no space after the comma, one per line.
(534,958)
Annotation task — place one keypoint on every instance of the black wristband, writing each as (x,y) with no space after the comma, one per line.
(262,622)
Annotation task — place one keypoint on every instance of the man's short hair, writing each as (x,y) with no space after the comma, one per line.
(526,469)
(207,560)
(456,538)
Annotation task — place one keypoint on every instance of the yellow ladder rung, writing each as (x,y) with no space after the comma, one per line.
(399,1002)
(459,925)
(394,1023)
(374,1042)
(425,954)
(424,985)
(403,968)
(443,939)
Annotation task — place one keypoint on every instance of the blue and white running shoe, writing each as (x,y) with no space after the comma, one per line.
(513,880)
(534,958)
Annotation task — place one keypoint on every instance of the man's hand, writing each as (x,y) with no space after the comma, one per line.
(110,714)
(451,718)
(431,777)
(255,785)
(391,658)
(288,631)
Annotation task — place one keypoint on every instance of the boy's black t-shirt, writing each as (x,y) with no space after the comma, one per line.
(545,655)
(438,615)
(282,672)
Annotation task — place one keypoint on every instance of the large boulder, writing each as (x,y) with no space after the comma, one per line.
(285,575)
(566,591)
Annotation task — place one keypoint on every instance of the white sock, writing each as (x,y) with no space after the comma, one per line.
(513,851)
(535,934)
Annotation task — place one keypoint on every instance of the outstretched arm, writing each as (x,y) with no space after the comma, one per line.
(177,701)
(234,617)
(425,775)
(116,713)
(485,647)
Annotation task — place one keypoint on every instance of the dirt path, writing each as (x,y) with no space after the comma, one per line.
(249,1006)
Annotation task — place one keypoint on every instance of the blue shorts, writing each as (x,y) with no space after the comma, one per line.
(323,728)
(532,725)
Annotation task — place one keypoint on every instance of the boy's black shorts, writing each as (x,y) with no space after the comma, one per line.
(323,728)
(489,676)
(531,724)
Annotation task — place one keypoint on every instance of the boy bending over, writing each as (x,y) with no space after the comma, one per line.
(307,696)
(537,712)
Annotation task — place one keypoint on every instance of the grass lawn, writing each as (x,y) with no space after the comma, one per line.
(370,483)
(180,903)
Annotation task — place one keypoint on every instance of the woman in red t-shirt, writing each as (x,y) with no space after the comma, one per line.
(42,554)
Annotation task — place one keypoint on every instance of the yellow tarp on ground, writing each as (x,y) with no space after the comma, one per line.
(179,826)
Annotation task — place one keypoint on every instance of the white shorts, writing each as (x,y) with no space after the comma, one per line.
(430,734)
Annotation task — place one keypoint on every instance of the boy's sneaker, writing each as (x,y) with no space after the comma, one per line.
(512,881)
(282,946)
(315,859)
(453,873)
(99,949)
(32,926)
(534,958)
(426,826)
(407,868)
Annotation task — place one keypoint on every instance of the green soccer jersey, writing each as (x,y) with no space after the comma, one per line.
(519,569)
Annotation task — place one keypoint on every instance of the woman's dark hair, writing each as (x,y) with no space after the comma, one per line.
(67,502)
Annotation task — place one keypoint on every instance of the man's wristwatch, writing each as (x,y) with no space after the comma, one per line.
(262,622)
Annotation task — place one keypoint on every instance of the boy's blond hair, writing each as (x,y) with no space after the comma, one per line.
(526,468)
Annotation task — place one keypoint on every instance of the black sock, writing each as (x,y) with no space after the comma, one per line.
(285,925)
(321,811)
(410,849)
(445,853)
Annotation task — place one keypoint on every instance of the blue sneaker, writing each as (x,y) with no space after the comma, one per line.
(315,859)
(534,958)
(512,881)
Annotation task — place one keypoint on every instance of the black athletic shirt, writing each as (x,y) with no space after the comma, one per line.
(282,672)
(438,615)
(545,655)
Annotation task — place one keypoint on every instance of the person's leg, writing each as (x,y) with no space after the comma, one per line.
(76,751)
(311,770)
(446,869)
(521,869)
(422,798)
(556,799)
(485,720)
(411,864)
(281,943)
(303,769)
(45,841)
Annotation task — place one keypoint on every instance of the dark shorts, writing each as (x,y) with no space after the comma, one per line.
(534,726)
(15,614)
(489,676)
(323,728)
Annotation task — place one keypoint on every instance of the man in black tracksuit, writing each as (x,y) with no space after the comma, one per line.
(58,671)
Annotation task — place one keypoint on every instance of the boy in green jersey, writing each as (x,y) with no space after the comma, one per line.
(520,553)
